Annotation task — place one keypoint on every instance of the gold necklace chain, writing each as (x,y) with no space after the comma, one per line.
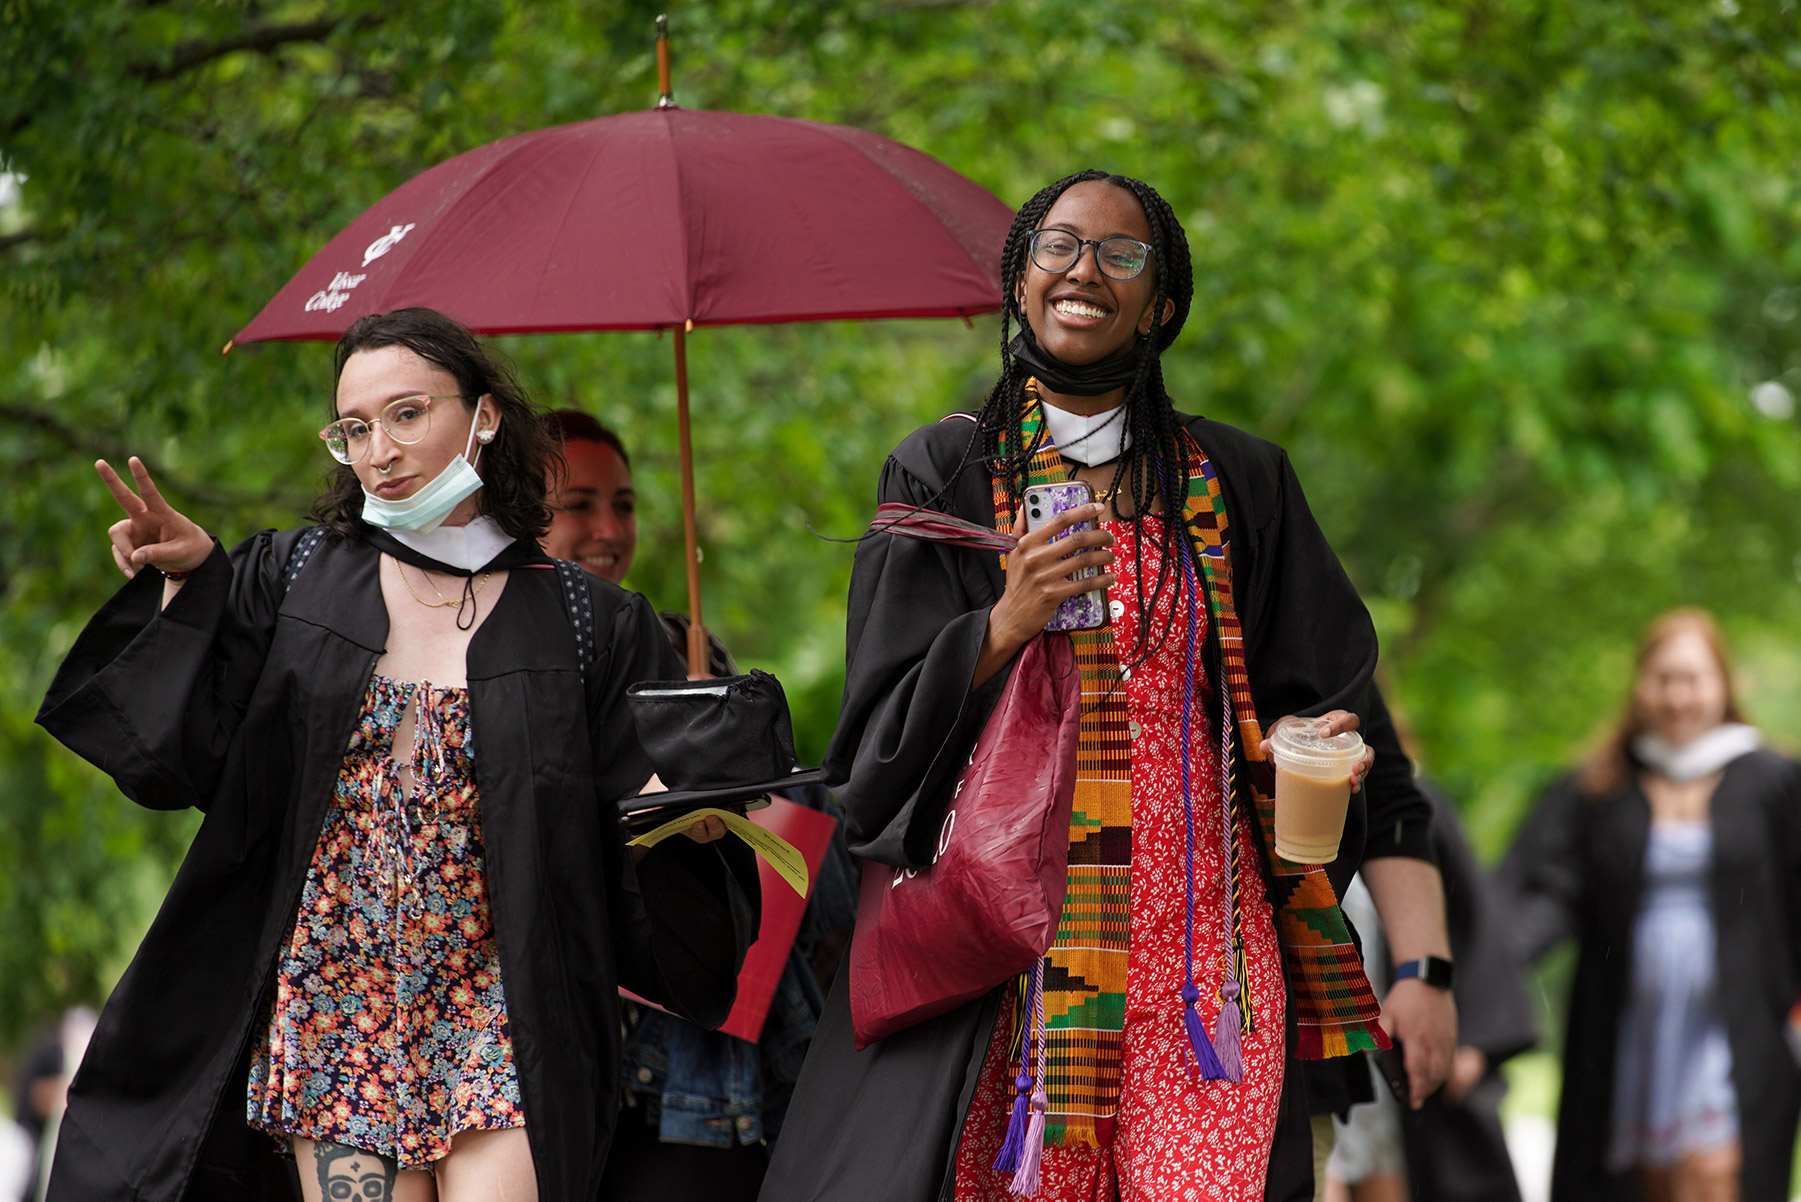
(1106,498)
(440,603)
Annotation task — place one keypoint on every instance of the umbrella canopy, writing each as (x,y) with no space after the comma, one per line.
(658,219)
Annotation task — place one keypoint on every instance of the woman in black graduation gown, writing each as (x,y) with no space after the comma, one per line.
(1674,860)
(932,630)
(396,942)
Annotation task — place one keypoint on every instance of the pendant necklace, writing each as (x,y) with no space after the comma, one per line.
(471,587)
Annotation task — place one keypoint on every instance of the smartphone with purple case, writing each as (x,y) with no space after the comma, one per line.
(1084,611)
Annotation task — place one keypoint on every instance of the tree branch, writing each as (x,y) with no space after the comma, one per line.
(1192,54)
(8,241)
(261,39)
(102,446)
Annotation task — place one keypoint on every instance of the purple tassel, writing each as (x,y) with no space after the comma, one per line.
(1013,1148)
(1225,1032)
(1204,1058)
(1025,1181)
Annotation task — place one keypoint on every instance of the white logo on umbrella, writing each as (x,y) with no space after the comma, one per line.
(385,243)
(333,295)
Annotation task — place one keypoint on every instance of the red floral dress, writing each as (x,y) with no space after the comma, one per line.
(389,1027)
(1179,1138)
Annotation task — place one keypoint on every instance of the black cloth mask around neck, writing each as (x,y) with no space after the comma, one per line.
(1088,379)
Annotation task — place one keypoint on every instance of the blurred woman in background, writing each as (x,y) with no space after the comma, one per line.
(1673,857)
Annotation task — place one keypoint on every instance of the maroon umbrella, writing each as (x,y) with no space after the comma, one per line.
(667,219)
(671,217)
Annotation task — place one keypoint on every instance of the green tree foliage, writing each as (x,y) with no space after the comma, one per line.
(1516,281)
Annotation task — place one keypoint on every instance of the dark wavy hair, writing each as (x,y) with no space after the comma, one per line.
(1157,463)
(512,466)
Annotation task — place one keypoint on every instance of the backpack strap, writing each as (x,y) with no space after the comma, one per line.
(579,602)
(304,547)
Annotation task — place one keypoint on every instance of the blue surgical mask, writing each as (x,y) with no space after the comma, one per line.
(426,509)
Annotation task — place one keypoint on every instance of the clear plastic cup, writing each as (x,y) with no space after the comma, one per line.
(1313,789)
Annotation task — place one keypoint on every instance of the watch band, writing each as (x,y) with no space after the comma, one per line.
(1435,971)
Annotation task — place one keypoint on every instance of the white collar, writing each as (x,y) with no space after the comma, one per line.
(1088,440)
(1701,756)
(469,547)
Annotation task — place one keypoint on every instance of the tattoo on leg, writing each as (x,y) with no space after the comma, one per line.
(347,1173)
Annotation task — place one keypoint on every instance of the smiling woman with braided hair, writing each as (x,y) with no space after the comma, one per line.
(1186,979)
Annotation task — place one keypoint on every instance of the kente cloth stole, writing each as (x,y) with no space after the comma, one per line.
(1335,1009)
(1084,984)
(1085,972)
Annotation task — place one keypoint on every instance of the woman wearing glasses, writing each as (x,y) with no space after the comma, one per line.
(1144,1058)
(395,945)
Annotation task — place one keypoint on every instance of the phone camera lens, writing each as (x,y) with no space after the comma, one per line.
(1036,515)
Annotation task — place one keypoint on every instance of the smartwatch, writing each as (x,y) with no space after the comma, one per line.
(1435,971)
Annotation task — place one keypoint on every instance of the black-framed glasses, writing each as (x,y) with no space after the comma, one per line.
(1120,257)
(405,420)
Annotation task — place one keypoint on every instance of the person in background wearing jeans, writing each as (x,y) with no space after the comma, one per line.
(701,1107)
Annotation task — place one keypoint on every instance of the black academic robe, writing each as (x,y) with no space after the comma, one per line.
(1459,1153)
(1576,870)
(884,1123)
(240,700)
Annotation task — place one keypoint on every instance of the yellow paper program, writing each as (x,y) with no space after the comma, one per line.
(781,855)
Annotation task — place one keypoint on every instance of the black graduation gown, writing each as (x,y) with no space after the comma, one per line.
(884,1122)
(1576,870)
(241,701)
(1459,1153)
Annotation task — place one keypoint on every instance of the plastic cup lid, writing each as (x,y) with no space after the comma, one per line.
(1299,742)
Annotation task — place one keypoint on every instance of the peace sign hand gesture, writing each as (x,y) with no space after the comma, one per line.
(151,534)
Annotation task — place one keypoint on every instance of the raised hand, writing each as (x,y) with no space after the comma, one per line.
(152,534)
(1039,578)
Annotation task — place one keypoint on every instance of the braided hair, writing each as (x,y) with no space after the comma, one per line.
(1157,462)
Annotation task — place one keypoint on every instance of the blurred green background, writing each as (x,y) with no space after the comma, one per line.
(1516,281)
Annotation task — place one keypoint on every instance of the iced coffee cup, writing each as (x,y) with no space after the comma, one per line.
(1313,789)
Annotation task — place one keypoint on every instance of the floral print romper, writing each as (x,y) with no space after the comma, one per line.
(389,1030)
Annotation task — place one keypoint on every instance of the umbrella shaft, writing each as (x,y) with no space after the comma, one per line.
(697,631)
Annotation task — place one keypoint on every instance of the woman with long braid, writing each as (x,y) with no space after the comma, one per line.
(1151,1042)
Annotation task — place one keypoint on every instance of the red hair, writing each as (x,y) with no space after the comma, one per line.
(1610,767)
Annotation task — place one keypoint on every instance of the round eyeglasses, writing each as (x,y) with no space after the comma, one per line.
(406,420)
(1120,258)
